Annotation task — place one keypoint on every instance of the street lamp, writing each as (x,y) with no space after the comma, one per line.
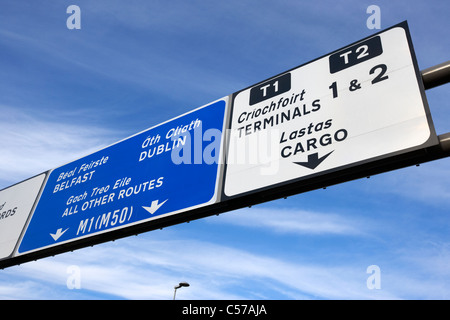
(181,284)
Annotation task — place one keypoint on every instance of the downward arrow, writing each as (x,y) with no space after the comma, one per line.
(313,160)
(155,206)
(58,234)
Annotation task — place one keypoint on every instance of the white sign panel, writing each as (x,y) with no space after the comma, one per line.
(358,104)
(16,203)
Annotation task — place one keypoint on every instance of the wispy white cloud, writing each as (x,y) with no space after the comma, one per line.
(31,145)
(427,183)
(142,268)
(148,266)
(294,221)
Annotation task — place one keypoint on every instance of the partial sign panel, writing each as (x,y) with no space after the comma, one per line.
(356,105)
(16,203)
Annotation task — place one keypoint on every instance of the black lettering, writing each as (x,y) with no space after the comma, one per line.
(270,89)
(285,153)
(311,143)
(343,133)
(301,132)
(316,105)
(380,76)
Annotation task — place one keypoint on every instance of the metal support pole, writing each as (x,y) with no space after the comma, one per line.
(437,75)
(433,77)
(444,142)
(181,284)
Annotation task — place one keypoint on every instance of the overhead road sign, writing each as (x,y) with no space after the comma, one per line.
(358,111)
(355,106)
(165,170)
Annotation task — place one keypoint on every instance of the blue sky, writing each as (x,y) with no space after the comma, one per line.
(65,93)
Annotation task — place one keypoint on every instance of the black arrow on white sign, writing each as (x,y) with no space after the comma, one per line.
(313,160)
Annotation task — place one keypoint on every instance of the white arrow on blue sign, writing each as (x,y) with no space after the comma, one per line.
(164,170)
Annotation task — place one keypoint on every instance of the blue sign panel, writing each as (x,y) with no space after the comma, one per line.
(164,170)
